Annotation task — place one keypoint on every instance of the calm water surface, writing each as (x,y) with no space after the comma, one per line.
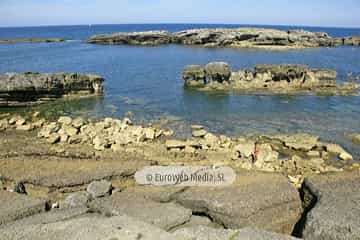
(147,81)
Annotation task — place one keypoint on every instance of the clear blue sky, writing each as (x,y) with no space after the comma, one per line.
(344,13)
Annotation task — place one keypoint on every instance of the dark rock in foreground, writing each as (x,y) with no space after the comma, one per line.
(23,89)
(32,40)
(227,37)
(336,212)
(266,79)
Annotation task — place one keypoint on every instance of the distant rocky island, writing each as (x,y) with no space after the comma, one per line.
(225,37)
(282,78)
(32,40)
(24,89)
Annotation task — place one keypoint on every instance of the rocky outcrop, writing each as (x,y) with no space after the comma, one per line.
(283,78)
(228,37)
(266,201)
(336,212)
(23,89)
(15,206)
(32,40)
(134,38)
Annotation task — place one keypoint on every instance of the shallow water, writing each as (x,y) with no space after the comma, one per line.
(147,81)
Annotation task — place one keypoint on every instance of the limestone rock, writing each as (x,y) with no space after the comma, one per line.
(99,188)
(16,206)
(199,133)
(207,233)
(134,38)
(24,89)
(217,72)
(338,150)
(194,75)
(336,210)
(78,199)
(65,120)
(245,149)
(163,215)
(53,138)
(267,201)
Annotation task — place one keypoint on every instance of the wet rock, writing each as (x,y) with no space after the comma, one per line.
(16,206)
(266,201)
(24,89)
(336,211)
(76,200)
(163,215)
(99,188)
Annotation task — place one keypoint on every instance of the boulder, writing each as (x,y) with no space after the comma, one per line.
(163,215)
(334,209)
(339,151)
(245,149)
(78,199)
(24,89)
(99,188)
(266,201)
(199,133)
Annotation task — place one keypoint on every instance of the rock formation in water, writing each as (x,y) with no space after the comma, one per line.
(23,89)
(266,79)
(226,37)
(32,40)
(135,38)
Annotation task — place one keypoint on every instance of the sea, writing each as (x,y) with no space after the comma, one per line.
(145,82)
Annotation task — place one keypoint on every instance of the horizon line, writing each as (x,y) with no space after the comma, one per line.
(180,23)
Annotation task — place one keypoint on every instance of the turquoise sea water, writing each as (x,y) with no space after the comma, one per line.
(147,81)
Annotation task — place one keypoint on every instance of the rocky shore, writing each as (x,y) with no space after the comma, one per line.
(289,79)
(24,89)
(32,40)
(222,37)
(77,175)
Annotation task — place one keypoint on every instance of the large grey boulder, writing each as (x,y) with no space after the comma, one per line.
(266,201)
(99,188)
(206,233)
(15,206)
(21,89)
(336,211)
(164,215)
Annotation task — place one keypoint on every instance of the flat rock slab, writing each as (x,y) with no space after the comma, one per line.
(206,233)
(15,206)
(163,215)
(266,201)
(90,227)
(336,214)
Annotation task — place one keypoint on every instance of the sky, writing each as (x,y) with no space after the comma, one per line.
(338,13)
